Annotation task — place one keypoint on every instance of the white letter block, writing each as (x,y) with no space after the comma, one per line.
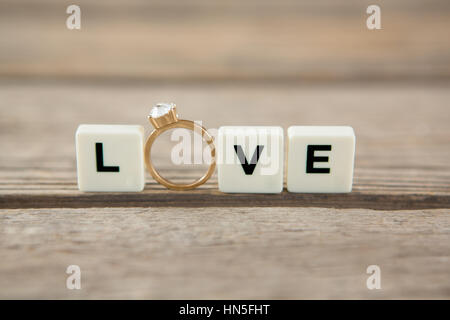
(110,157)
(320,159)
(250,159)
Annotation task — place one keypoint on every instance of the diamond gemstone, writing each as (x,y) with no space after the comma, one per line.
(161,109)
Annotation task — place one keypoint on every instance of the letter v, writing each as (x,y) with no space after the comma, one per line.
(248,168)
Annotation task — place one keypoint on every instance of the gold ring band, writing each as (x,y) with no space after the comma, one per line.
(170,121)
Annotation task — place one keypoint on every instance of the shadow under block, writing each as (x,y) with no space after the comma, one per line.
(320,159)
(110,158)
(250,159)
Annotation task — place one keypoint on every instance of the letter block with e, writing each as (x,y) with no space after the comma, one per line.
(250,159)
(320,159)
(110,158)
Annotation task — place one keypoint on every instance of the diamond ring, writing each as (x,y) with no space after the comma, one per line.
(164,117)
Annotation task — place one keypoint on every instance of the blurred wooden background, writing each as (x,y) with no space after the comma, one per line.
(195,40)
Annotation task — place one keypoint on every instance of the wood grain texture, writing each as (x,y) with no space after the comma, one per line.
(402,153)
(258,62)
(204,244)
(210,253)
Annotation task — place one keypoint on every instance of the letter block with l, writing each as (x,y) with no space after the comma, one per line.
(110,158)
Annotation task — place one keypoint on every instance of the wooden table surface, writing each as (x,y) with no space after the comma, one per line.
(257,62)
(205,244)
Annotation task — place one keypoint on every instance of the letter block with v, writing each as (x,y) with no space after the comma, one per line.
(250,159)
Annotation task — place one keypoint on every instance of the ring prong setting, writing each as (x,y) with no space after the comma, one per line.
(163,114)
